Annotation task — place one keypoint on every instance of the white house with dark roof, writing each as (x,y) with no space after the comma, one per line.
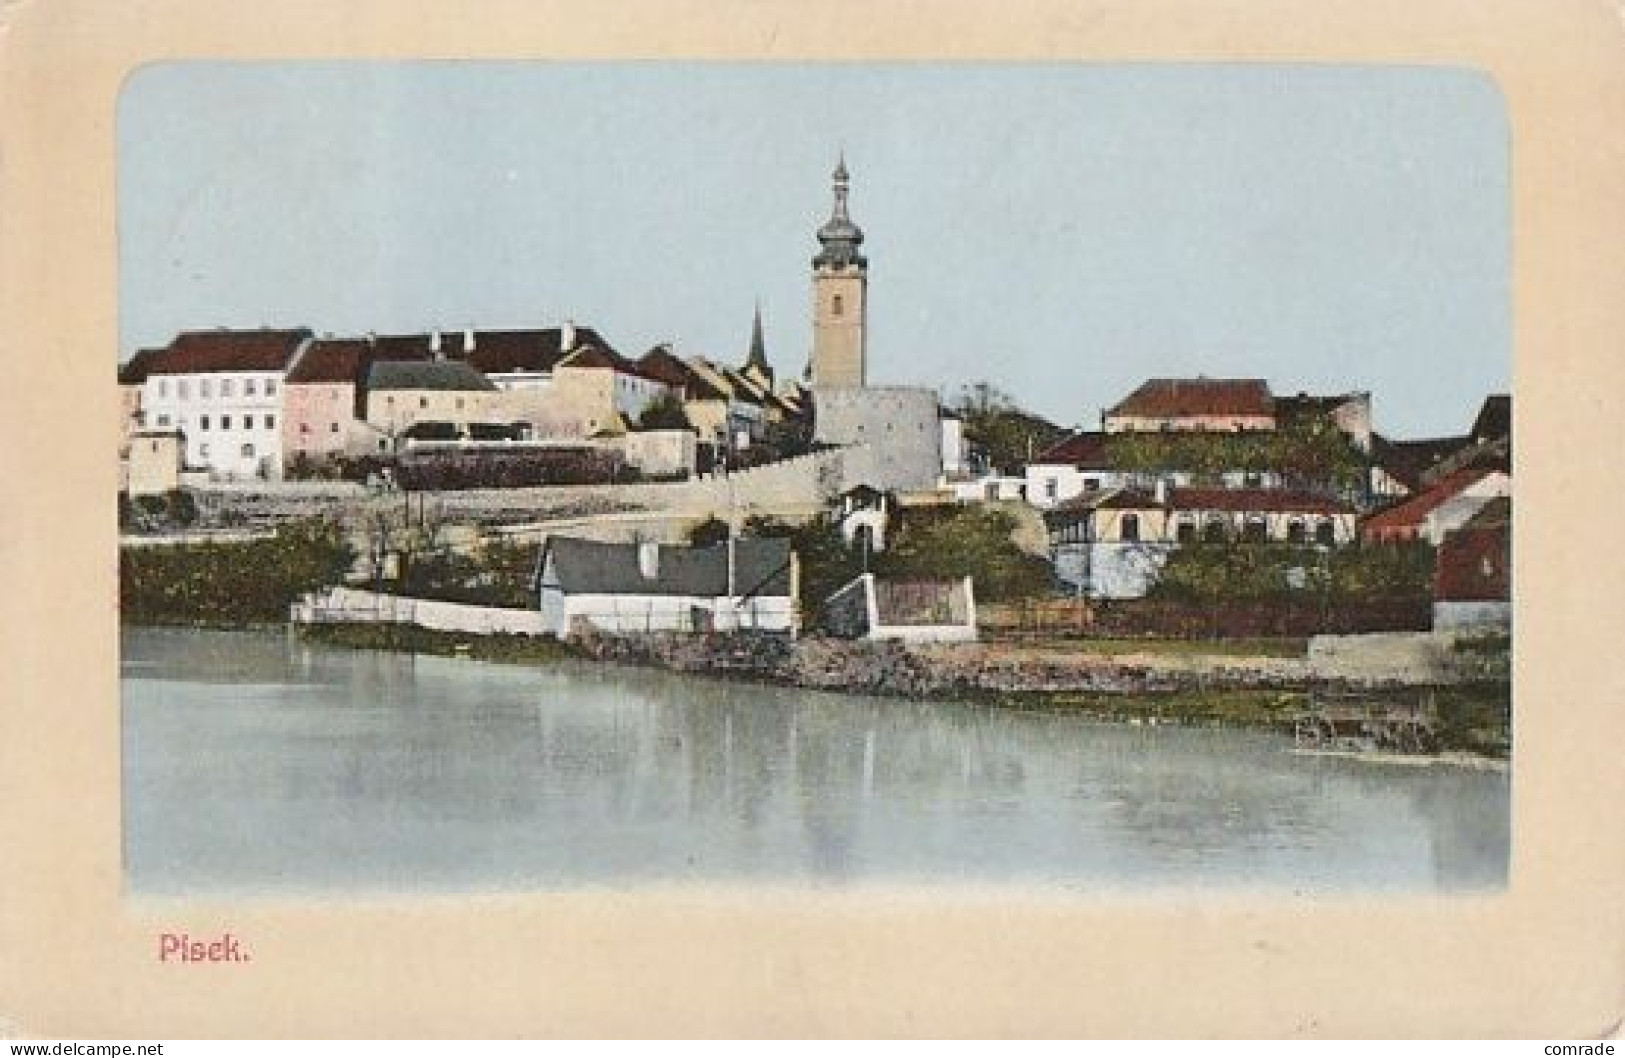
(621,589)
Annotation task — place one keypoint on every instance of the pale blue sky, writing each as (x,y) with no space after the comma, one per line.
(1062,230)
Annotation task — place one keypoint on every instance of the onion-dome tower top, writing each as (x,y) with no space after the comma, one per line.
(839,237)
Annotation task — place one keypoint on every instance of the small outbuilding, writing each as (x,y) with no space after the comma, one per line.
(154,461)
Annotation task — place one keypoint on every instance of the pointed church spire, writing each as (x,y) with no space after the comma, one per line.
(758,349)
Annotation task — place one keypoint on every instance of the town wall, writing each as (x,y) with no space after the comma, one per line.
(355,606)
(898,426)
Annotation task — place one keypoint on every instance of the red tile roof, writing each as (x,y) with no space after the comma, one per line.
(331,360)
(592,356)
(1084,450)
(1285,501)
(506,352)
(133,371)
(1475,561)
(1172,398)
(194,352)
(1407,515)
(1294,501)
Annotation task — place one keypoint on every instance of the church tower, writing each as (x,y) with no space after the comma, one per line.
(840,298)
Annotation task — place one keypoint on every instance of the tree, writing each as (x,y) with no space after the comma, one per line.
(1010,435)
(949,543)
(665,412)
(711,531)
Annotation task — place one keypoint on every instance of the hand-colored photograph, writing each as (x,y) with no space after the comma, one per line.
(557,476)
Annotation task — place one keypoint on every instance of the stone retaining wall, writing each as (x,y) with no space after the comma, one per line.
(354,606)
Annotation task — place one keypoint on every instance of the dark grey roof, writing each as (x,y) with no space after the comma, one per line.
(761,567)
(1494,420)
(426,374)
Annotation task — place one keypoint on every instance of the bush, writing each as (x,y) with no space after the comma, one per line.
(497,574)
(1239,571)
(231,583)
(948,543)
(711,531)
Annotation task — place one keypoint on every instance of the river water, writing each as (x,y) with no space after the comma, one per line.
(255,763)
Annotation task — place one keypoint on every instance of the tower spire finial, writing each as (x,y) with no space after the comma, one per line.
(840,237)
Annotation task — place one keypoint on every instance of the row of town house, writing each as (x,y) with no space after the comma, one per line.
(251,404)
(1114,516)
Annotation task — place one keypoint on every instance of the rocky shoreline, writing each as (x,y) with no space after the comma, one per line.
(1188,690)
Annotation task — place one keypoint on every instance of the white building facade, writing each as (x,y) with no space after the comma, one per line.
(223,390)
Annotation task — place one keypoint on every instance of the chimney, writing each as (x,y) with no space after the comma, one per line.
(1161,492)
(468,340)
(649,559)
(567,336)
(434,344)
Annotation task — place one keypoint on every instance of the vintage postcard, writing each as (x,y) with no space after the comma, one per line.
(605,507)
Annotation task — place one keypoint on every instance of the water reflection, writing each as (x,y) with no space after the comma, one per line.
(256,761)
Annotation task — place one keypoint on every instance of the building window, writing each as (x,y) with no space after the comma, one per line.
(1325,534)
(390,400)
(248,451)
(1052,488)
(204,389)
(163,420)
(332,427)
(248,387)
(1255,531)
(270,422)
(225,387)
(835,306)
(270,387)
(202,422)
(1091,484)
(203,451)
(163,387)
(459,404)
(1185,532)
(423,402)
(1295,533)
(1131,527)
(1213,531)
(183,389)
(304,427)
(225,422)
